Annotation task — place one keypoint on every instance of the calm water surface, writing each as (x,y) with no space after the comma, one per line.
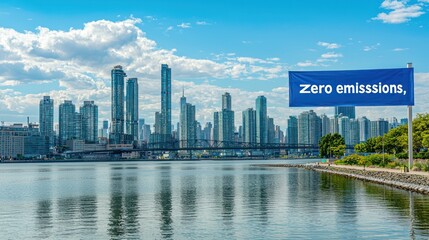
(200,200)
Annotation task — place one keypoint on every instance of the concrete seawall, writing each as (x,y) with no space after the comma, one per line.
(407,181)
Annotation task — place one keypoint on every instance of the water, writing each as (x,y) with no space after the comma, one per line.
(200,200)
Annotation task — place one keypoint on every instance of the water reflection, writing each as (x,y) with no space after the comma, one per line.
(44,217)
(403,203)
(123,220)
(163,200)
(188,197)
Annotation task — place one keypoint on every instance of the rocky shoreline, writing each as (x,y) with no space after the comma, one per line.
(405,181)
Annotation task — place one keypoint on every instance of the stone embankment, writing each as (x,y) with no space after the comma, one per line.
(408,181)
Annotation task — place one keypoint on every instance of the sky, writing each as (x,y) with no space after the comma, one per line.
(66,49)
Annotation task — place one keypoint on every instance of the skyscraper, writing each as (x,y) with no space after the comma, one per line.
(249,126)
(187,123)
(350,112)
(226,120)
(226,101)
(165,102)
(215,126)
(364,129)
(309,128)
(67,122)
(89,112)
(46,118)
(379,127)
(354,132)
(117,123)
(271,130)
(344,128)
(132,110)
(261,120)
(326,125)
(292,130)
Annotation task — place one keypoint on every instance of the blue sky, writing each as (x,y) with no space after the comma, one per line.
(67,49)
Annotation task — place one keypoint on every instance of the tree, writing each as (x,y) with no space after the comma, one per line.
(331,143)
(360,148)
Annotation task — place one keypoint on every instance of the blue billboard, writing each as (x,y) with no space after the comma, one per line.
(380,87)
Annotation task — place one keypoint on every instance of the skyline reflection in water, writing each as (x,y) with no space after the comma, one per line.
(200,200)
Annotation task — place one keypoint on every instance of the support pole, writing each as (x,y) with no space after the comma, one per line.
(410,130)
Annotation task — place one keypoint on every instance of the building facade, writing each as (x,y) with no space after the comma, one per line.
(132,108)
(249,126)
(67,122)
(46,119)
(89,115)
(117,105)
(261,120)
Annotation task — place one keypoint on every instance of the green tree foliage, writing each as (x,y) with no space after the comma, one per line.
(396,140)
(332,144)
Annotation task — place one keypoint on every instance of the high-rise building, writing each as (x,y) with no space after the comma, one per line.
(261,120)
(333,125)
(89,112)
(249,126)
(309,128)
(354,132)
(208,131)
(364,129)
(292,130)
(46,118)
(215,126)
(67,122)
(132,110)
(224,127)
(279,135)
(78,121)
(271,130)
(141,128)
(188,126)
(165,102)
(117,121)
(326,125)
(344,128)
(226,101)
(349,112)
(379,127)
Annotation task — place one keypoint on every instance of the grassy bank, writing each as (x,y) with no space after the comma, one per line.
(384,161)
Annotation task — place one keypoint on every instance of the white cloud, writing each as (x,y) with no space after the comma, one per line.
(75,64)
(307,64)
(184,25)
(331,55)
(169,28)
(399,49)
(329,45)
(370,48)
(202,23)
(399,12)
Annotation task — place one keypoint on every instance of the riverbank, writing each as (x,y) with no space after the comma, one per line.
(413,181)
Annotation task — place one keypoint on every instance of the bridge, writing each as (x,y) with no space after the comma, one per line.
(205,145)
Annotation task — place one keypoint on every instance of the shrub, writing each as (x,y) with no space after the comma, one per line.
(377,159)
(353,159)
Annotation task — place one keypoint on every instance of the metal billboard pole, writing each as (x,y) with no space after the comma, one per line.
(410,130)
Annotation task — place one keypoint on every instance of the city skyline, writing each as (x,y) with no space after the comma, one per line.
(70,59)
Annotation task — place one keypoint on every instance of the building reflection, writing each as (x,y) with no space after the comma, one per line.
(124,209)
(44,218)
(399,202)
(188,197)
(163,201)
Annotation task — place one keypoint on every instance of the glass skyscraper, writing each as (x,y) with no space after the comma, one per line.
(89,113)
(165,102)
(67,122)
(117,122)
(292,130)
(132,110)
(261,120)
(249,126)
(309,128)
(46,118)
(349,112)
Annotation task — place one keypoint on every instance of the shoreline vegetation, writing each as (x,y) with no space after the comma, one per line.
(413,181)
